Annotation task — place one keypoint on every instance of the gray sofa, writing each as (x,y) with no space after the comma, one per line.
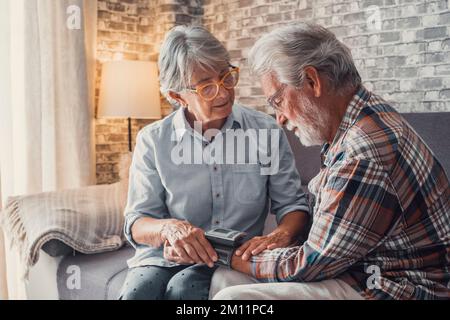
(103,274)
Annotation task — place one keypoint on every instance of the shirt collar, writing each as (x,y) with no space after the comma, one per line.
(353,110)
(180,124)
(182,127)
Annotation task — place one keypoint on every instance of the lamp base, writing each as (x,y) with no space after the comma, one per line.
(129,135)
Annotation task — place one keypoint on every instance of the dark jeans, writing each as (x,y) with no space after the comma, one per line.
(167,283)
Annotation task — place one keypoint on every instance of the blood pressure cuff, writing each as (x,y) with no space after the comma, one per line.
(225,242)
(225,253)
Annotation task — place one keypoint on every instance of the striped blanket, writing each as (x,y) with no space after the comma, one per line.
(88,219)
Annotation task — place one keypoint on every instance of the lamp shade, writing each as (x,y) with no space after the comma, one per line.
(129,89)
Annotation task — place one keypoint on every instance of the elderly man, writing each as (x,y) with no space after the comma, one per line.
(381,222)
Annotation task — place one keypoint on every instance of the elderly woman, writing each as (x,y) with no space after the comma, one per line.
(171,203)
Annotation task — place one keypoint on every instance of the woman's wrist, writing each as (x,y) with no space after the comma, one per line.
(151,231)
(165,229)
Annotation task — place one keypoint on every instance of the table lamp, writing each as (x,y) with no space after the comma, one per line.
(129,89)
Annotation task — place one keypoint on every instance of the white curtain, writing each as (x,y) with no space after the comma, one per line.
(3,286)
(47,109)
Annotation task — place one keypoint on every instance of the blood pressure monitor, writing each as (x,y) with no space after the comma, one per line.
(225,241)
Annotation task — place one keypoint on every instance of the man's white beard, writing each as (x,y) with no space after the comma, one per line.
(309,133)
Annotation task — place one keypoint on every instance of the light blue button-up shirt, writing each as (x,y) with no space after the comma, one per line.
(207,193)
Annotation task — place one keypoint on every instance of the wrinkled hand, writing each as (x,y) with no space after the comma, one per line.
(186,244)
(171,254)
(256,245)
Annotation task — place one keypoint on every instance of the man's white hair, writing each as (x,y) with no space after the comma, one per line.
(183,49)
(286,51)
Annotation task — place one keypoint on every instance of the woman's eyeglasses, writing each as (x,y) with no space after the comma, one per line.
(209,91)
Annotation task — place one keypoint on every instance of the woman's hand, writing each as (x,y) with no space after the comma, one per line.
(171,254)
(185,243)
(276,239)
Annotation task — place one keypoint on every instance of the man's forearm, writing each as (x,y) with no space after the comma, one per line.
(294,223)
(238,264)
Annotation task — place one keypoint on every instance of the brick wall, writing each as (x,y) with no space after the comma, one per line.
(401,47)
(404,55)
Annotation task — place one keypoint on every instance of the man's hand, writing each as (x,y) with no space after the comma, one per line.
(185,243)
(276,239)
(287,233)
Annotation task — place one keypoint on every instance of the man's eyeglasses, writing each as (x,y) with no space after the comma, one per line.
(273,100)
(209,91)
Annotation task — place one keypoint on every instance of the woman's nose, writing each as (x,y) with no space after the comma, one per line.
(223,92)
(281,119)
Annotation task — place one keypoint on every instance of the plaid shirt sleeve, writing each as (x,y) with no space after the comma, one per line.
(356,210)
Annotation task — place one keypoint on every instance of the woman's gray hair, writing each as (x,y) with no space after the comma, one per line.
(183,49)
(286,51)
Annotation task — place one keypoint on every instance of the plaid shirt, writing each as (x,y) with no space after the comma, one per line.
(381,219)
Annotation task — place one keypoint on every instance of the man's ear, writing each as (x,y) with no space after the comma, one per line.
(313,81)
(176,96)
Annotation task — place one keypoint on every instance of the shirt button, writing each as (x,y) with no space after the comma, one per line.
(215,168)
(217,195)
(216,222)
